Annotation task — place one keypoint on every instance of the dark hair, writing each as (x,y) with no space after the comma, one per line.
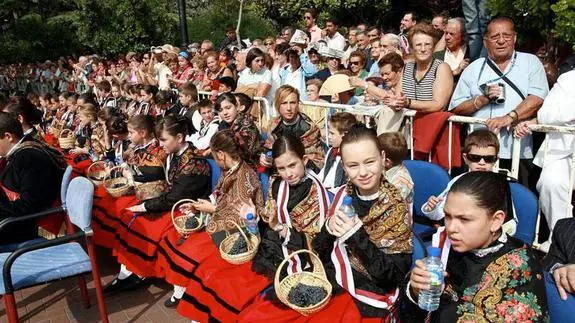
(21,106)
(65,95)
(361,55)
(104,86)
(189,89)
(498,20)
(393,59)
(244,100)
(481,138)
(253,54)
(312,12)
(116,125)
(230,97)
(281,48)
(88,97)
(394,145)
(164,97)
(143,122)
(4,100)
(150,89)
(205,103)
(229,82)
(360,132)
(173,125)
(288,143)
(333,20)
(342,121)
(490,190)
(413,15)
(9,124)
(224,141)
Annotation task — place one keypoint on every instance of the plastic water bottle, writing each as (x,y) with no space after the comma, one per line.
(429,299)
(347,208)
(269,157)
(251,224)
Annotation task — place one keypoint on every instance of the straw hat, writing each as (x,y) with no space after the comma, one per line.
(335,84)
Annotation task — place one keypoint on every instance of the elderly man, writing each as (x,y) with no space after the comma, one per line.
(389,43)
(456,53)
(504,88)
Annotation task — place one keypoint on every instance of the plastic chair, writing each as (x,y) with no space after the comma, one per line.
(55,259)
(215,172)
(559,310)
(418,250)
(265,183)
(526,210)
(428,179)
(65,183)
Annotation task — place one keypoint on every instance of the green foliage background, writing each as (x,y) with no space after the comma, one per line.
(34,30)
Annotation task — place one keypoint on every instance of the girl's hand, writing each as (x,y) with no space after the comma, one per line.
(204,206)
(137,208)
(420,279)
(339,224)
(432,203)
(187,209)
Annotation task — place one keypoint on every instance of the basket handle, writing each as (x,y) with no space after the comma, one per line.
(64,131)
(109,173)
(176,205)
(317,265)
(94,163)
(242,233)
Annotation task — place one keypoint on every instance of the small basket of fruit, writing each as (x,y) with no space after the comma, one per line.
(118,186)
(239,248)
(187,222)
(305,292)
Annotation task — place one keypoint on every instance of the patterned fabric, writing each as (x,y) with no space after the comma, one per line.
(188,163)
(388,223)
(505,293)
(399,176)
(247,136)
(151,155)
(97,141)
(55,156)
(304,217)
(237,186)
(311,139)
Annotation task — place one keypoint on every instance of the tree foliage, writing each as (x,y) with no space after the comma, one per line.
(565,21)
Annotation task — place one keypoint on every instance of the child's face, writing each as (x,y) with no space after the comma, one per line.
(334,136)
(115,92)
(224,88)
(185,100)
(481,159)
(207,114)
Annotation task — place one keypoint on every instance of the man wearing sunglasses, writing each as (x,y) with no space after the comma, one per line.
(480,155)
(309,17)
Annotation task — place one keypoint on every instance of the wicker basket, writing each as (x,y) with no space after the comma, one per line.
(56,128)
(110,182)
(315,278)
(150,190)
(97,174)
(68,141)
(227,244)
(180,221)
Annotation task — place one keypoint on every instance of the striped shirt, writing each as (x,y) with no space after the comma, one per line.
(421,90)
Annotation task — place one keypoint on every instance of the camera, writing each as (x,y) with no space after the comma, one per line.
(501,98)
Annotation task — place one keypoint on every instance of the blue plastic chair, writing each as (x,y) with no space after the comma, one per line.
(559,310)
(428,179)
(265,183)
(215,172)
(418,250)
(65,184)
(55,259)
(526,209)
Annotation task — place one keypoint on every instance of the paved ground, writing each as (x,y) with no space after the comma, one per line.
(60,302)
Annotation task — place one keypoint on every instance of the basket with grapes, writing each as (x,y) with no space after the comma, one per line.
(187,222)
(239,248)
(305,292)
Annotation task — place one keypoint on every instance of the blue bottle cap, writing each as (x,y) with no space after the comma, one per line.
(347,200)
(269,154)
(264,136)
(250,216)
(433,251)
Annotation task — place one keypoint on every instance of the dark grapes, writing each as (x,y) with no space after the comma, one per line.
(303,295)
(118,185)
(191,223)
(240,246)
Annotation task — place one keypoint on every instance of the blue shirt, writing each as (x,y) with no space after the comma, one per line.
(526,71)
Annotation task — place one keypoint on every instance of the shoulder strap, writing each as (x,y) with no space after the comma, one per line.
(505,78)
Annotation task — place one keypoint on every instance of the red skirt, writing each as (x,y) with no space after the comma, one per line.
(51,140)
(176,263)
(79,167)
(220,290)
(106,215)
(137,239)
(341,308)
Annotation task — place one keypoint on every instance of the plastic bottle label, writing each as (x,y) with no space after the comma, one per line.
(436,279)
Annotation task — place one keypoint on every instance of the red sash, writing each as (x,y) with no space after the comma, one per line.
(344,273)
(294,263)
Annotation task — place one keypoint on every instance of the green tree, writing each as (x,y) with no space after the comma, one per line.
(565,21)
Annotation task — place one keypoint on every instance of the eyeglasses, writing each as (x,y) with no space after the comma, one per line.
(307,18)
(506,36)
(268,44)
(490,159)
(332,58)
(354,62)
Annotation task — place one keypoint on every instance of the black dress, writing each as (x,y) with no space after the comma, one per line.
(34,172)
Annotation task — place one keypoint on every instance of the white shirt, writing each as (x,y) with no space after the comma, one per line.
(162,74)
(293,78)
(336,42)
(453,59)
(558,110)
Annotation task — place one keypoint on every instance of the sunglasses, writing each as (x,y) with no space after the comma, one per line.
(354,63)
(490,159)
(268,44)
